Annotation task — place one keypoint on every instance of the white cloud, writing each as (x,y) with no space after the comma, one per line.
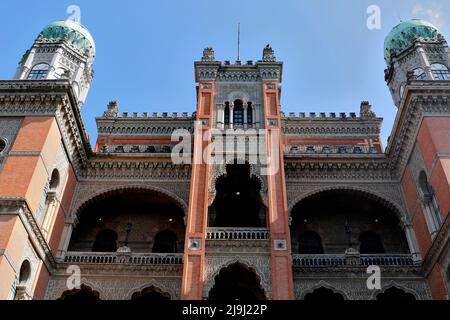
(433,14)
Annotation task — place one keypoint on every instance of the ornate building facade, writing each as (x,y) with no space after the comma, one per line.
(303,217)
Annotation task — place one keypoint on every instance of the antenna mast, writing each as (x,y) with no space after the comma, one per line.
(239,41)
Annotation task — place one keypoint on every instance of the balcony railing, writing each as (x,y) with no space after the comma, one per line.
(121,258)
(336,260)
(237,234)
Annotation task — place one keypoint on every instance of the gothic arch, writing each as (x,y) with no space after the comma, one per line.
(393,284)
(326,285)
(404,219)
(152,283)
(220,170)
(264,282)
(102,194)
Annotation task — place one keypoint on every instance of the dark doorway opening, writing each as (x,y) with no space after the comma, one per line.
(106,241)
(310,243)
(237,283)
(370,243)
(165,242)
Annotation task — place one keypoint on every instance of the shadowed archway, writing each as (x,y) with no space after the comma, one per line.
(395,294)
(324,294)
(238,201)
(84,293)
(344,218)
(237,283)
(151,293)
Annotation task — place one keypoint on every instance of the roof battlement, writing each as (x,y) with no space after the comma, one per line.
(365,113)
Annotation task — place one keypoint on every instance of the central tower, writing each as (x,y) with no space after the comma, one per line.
(238,171)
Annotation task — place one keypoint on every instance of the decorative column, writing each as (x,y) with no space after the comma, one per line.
(194,256)
(280,253)
(65,237)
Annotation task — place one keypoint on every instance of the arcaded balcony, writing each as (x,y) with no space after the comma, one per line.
(341,228)
(133,227)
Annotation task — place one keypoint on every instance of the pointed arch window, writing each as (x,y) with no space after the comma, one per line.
(39,72)
(238,113)
(440,72)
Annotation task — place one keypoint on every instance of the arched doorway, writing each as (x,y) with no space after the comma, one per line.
(310,243)
(324,295)
(395,294)
(85,293)
(370,243)
(166,242)
(348,218)
(238,202)
(151,293)
(237,283)
(105,241)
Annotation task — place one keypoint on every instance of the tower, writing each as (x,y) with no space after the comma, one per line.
(418,59)
(238,103)
(42,144)
(63,50)
(414,49)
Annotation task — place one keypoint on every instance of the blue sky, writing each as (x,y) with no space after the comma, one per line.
(146,49)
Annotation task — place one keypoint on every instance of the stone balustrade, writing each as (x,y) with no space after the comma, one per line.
(336,260)
(124,258)
(237,234)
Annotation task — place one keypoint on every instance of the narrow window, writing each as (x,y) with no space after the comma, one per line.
(226,119)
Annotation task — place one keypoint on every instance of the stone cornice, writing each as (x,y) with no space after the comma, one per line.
(421,99)
(49,98)
(367,168)
(143,126)
(19,206)
(144,169)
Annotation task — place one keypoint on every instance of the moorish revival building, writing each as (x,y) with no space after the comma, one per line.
(139,225)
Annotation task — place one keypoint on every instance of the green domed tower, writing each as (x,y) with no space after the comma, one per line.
(414,50)
(64,49)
